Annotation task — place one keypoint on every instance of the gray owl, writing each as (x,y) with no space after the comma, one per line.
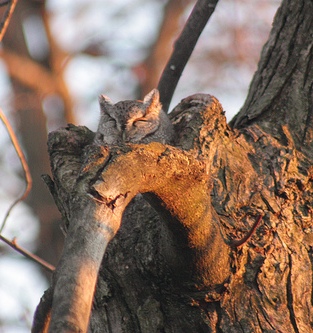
(133,121)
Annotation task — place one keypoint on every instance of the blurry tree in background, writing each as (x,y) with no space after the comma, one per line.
(35,75)
(59,56)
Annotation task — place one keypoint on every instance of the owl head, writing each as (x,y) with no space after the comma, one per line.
(133,121)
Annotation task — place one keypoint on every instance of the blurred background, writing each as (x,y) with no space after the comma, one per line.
(56,58)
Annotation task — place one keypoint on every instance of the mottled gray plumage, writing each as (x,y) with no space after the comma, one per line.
(133,121)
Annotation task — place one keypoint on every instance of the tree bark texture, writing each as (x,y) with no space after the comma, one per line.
(170,262)
(281,92)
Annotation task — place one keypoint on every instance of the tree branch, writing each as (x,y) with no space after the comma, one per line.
(77,271)
(13,244)
(25,167)
(183,49)
(94,221)
(149,72)
(284,78)
(20,67)
(97,190)
(6,19)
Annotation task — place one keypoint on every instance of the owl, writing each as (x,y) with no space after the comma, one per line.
(133,121)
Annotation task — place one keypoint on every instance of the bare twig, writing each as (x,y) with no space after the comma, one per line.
(21,156)
(27,254)
(183,48)
(6,19)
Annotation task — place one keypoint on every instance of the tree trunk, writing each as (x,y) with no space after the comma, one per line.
(174,265)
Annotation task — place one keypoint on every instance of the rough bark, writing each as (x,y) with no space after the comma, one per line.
(164,271)
(281,92)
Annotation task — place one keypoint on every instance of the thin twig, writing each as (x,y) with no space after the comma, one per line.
(22,158)
(28,254)
(183,48)
(7,17)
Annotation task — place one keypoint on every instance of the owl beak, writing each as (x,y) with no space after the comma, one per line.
(124,136)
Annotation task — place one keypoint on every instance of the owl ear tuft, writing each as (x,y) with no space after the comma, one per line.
(105,102)
(152,101)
